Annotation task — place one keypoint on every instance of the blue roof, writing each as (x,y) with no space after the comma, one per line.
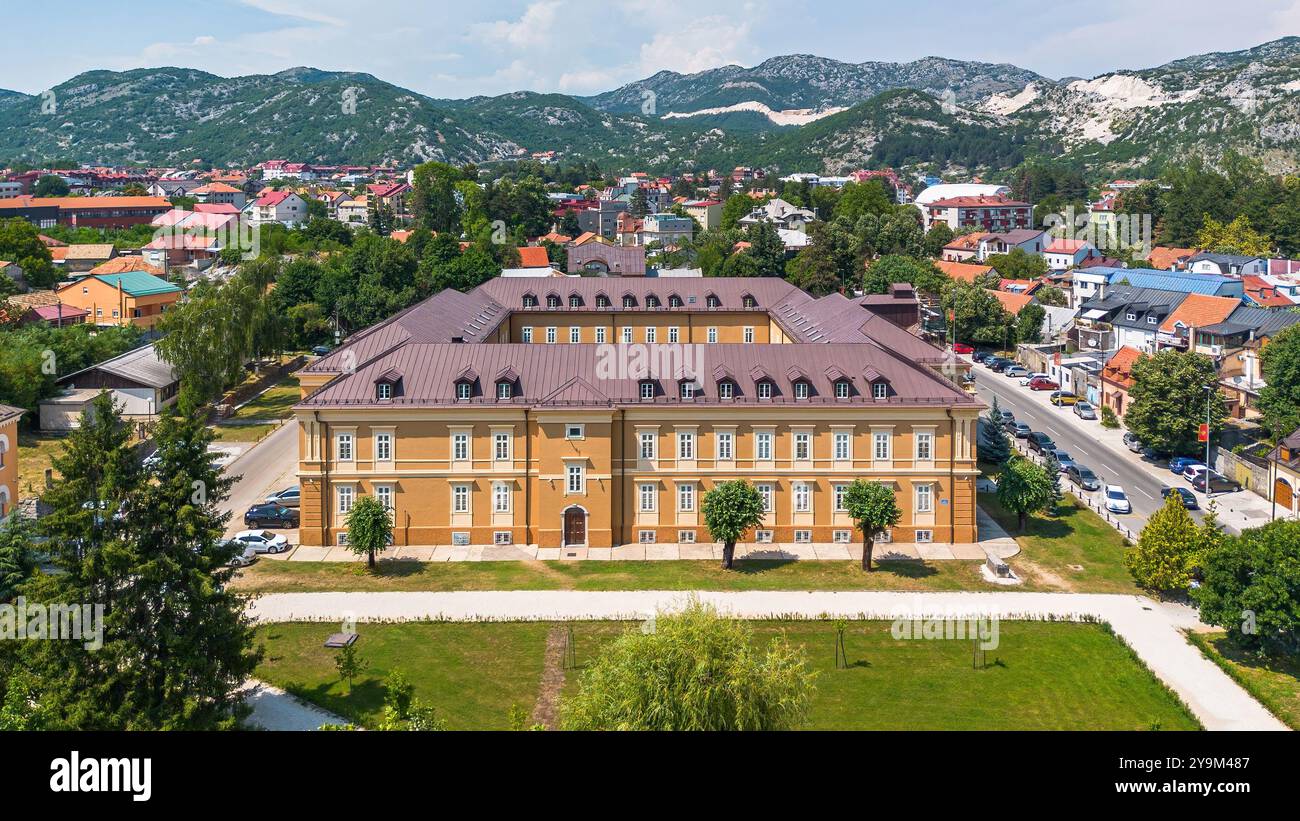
(1180,281)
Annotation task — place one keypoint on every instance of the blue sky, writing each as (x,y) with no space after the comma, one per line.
(459,49)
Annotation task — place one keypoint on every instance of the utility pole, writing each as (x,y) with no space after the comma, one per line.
(1209,392)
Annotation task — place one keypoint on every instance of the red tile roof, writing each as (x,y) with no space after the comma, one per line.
(1119,368)
(533,257)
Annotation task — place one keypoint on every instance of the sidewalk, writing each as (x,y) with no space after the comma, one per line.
(1154,631)
(274,709)
(1237,511)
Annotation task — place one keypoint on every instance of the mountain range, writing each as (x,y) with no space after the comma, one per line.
(797,112)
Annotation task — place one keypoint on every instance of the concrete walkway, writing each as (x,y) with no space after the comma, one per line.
(274,709)
(1153,630)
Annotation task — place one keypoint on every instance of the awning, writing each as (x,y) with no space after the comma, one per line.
(1094,314)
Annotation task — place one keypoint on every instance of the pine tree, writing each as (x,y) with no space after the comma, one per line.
(1166,549)
(994,447)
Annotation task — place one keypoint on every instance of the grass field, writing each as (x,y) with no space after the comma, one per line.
(1042,676)
(36,451)
(296,577)
(1075,550)
(274,403)
(1274,682)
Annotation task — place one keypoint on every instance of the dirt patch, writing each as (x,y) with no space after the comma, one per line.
(1042,575)
(547,709)
(563,580)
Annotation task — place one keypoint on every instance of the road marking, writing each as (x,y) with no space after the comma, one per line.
(1105,466)
(1144,493)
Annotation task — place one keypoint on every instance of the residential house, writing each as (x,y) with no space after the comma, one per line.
(353,212)
(708,213)
(534,257)
(14,273)
(1117,379)
(1167,258)
(613,260)
(997,213)
(78,259)
(964,271)
(1236,344)
(1125,316)
(1226,264)
(1095,281)
(963,248)
(133,298)
(1271,291)
(37,307)
(665,229)
(284,207)
(1063,254)
(1284,465)
(218,193)
(142,385)
(1179,329)
(1029,240)
(9,417)
(602,219)
(779,213)
(390,195)
(171,188)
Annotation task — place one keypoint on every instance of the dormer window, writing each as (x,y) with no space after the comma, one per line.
(552,301)
(674,301)
(647,389)
(1151,320)
(688,389)
(602,301)
(749,301)
(384,390)
(842,389)
(879,390)
(801,390)
(712,301)
(575,301)
(505,390)
(652,301)
(530,301)
(629,301)
(726,389)
(463,391)
(1131,317)
(765,389)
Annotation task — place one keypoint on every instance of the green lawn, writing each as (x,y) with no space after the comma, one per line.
(36,452)
(284,576)
(1274,682)
(275,403)
(242,433)
(1074,550)
(1042,676)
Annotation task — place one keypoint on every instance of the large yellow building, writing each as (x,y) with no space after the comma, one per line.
(9,417)
(598,412)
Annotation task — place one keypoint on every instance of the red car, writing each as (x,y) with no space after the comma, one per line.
(1043,384)
(962,347)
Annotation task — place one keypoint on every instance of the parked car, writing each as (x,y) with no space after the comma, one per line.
(999,364)
(1030,377)
(1083,477)
(962,347)
(1007,417)
(1020,430)
(1084,410)
(1062,398)
(1040,442)
(1042,383)
(1116,500)
(1063,459)
(992,360)
(1188,498)
(244,555)
(1132,442)
(1014,371)
(320,350)
(1179,464)
(1193,472)
(263,541)
(1218,483)
(1153,455)
(270,515)
(289,497)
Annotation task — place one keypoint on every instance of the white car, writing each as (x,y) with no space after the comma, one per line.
(263,541)
(1193,472)
(1025,380)
(1116,500)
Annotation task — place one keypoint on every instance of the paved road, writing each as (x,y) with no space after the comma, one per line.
(271,465)
(1153,630)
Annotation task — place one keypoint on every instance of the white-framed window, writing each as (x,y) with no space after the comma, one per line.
(627,334)
(674,334)
(504,390)
(749,334)
(527,333)
(463,390)
(550,336)
(924,499)
(647,389)
(552,301)
(879,390)
(842,389)
(648,445)
(575,301)
(577,479)
(501,447)
(685,445)
(460,447)
(629,301)
(924,446)
(1131,317)
(688,390)
(600,335)
(686,537)
(384,390)
(645,537)
(575,431)
(647,498)
(575,334)
(803,446)
(500,497)
(925,535)
(843,441)
(768,494)
(383,447)
(686,498)
(726,445)
(343,450)
(841,536)
(763,445)
(726,390)
(802,497)
(803,537)
(713,335)
(345,494)
(765,389)
(801,390)
(840,490)
(384,495)
(881,439)
(460,498)
(763,536)
(651,334)
(502,537)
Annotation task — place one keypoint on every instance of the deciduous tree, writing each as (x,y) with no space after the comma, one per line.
(730,509)
(873,507)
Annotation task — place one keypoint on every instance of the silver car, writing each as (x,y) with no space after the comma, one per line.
(288,497)
(1084,411)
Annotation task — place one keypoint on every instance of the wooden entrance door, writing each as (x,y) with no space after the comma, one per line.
(1282,493)
(575,526)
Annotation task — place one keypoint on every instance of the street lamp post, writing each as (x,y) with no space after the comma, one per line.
(1209,393)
